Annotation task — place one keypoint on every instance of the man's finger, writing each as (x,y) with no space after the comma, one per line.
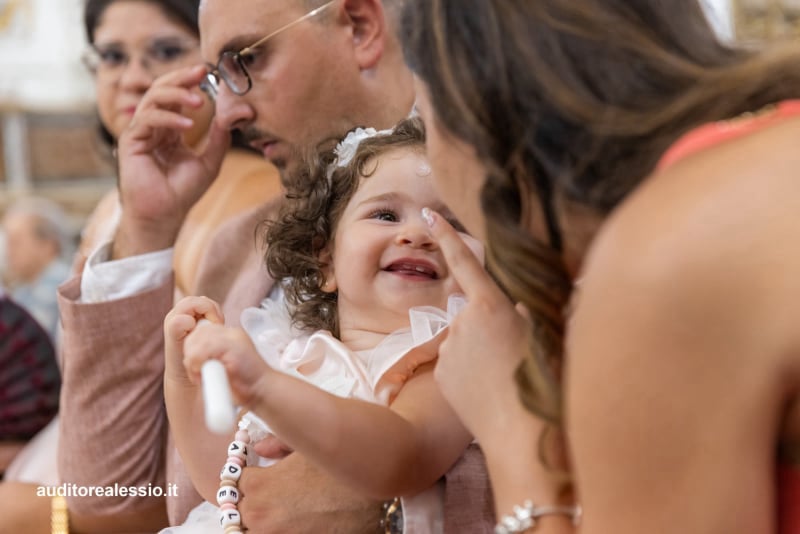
(187,77)
(217,142)
(272,447)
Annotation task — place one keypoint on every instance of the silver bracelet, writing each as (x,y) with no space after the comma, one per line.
(525,517)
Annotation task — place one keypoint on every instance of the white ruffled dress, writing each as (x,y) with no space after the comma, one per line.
(374,375)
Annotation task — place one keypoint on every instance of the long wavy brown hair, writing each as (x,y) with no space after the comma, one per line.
(573,100)
(306,223)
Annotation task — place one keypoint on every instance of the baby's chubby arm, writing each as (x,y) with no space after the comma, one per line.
(199,447)
(381,451)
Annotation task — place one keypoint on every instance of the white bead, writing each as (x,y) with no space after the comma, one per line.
(230,471)
(227,494)
(229,517)
(238,449)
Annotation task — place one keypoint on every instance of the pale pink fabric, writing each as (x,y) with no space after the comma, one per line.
(112,417)
(113,420)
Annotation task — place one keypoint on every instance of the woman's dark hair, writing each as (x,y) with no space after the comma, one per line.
(573,100)
(308,219)
(184,12)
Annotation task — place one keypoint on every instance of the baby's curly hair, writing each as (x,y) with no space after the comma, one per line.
(309,216)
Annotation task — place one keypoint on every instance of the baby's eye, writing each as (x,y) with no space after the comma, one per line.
(384,215)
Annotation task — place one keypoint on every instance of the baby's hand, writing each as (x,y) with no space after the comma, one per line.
(233,347)
(183,318)
(179,323)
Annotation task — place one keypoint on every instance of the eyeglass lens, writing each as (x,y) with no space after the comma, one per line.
(229,70)
(158,57)
(210,85)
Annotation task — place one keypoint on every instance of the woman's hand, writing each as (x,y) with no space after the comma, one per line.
(484,344)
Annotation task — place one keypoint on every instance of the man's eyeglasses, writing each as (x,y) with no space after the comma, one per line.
(158,57)
(231,67)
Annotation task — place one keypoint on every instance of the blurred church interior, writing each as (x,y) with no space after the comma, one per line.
(47,118)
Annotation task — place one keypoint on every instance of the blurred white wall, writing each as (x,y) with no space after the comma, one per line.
(721,16)
(40,46)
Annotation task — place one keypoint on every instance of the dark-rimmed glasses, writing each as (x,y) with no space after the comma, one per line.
(231,65)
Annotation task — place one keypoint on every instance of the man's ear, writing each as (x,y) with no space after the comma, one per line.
(369,29)
(329,277)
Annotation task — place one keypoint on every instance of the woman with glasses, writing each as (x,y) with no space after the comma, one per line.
(640,202)
(131,43)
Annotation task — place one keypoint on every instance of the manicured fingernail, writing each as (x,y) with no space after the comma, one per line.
(427,216)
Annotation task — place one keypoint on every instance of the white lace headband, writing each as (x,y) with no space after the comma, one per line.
(347,147)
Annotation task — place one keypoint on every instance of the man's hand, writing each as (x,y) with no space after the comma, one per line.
(294,496)
(160,177)
(272,447)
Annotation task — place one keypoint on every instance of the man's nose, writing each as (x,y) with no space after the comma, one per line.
(232,110)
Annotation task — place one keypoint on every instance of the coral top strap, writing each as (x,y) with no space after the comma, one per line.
(719,132)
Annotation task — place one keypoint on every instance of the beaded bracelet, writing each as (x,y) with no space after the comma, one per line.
(525,517)
(228,494)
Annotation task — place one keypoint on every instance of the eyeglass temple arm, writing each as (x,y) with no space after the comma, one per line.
(313,12)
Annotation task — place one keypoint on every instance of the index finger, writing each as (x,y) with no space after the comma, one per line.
(187,77)
(461,260)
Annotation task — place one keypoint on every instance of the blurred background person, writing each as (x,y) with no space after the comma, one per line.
(38,245)
(29,379)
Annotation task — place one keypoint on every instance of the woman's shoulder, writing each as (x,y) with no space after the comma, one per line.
(726,194)
(715,233)
(99,226)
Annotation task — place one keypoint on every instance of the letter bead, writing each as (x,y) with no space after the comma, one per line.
(227,495)
(238,449)
(230,518)
(230,471)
